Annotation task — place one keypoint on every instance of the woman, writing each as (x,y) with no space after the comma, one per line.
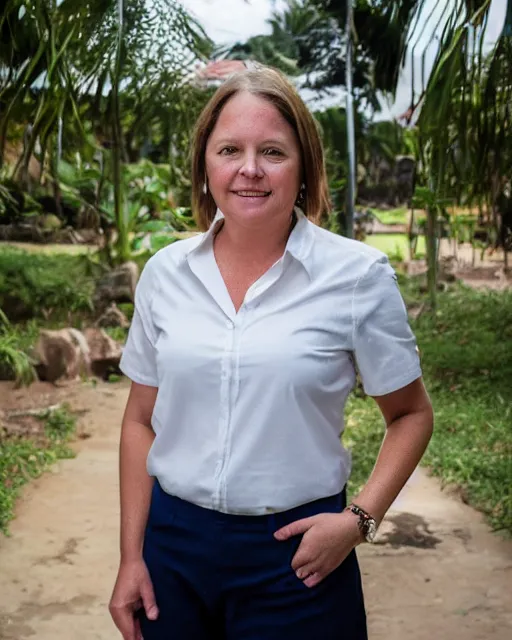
(242,353)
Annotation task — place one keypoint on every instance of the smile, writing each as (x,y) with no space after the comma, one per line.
(252,194)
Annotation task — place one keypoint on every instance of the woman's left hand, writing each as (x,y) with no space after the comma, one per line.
(328,539)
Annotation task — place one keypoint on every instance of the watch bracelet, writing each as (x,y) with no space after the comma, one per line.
(364,517)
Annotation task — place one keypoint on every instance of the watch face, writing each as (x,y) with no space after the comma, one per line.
(371,531)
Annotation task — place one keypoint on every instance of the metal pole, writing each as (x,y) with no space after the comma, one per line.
(351,144)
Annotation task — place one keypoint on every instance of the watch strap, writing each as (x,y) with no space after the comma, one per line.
(366,523)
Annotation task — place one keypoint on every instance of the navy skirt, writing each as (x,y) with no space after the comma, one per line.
(219,576)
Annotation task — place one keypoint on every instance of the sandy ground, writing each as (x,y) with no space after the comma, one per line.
(437,571)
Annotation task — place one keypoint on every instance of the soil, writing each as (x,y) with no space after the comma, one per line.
(436,571)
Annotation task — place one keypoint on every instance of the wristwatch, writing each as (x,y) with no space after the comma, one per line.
(367,525)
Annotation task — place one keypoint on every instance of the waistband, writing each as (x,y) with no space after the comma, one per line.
(188,510)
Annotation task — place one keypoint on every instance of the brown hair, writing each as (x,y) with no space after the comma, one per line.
(270,85)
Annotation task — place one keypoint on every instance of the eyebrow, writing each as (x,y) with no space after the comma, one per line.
(273,141)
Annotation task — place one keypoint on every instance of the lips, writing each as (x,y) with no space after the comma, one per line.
(252,194)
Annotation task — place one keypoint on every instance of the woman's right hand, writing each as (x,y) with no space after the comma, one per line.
(132,591)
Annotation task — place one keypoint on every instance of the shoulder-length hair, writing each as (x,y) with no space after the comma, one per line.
(270,85)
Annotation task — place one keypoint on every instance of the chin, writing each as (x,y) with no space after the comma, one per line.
(249,208)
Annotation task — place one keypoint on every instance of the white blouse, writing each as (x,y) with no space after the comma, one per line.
(249,410)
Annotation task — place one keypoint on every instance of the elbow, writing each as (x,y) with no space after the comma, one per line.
(426,420)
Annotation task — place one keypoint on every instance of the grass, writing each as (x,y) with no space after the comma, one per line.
(48,286)
(395,244)
(393,216)
(467,363)
(22,459)
(16,342)
(52,249)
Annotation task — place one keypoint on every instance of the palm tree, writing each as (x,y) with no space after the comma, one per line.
(71,64)
(464,111)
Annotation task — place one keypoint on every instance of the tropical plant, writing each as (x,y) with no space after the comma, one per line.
(14,361)
(463,111)
(70,68)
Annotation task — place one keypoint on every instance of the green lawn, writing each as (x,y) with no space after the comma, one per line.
(467,362)
(395,244)
(73,249)
(393,216)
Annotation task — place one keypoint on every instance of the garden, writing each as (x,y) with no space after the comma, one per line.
(96,119)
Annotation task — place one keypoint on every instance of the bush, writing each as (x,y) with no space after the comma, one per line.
(49,286)
(15,364)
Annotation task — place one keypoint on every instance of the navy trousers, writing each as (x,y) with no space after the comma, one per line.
(225,577)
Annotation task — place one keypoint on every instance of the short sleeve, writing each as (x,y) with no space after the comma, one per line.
(384,345)
(138,360)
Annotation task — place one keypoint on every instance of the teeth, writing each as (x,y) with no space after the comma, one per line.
(252,193)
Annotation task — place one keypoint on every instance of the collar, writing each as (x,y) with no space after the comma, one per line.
(299,243)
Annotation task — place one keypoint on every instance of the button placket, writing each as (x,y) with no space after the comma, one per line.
(225,409)
(240,322)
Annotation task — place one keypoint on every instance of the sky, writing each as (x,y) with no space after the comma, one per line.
(229,21)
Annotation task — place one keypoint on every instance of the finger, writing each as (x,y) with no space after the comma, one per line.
(125,622)
(302,558)
(148,600)
(138,632)
(313,580)
(306,570)
(294,528)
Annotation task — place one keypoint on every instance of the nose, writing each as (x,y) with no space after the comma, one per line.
(250,166)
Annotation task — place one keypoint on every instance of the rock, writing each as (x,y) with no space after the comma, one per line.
(62,354)
(104,353)
(113,317)
(49,222)
(118,285)
(447,269)
(67,354)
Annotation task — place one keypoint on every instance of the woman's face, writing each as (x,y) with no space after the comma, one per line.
(253,161)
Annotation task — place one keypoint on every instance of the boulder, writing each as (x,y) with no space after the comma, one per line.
(447,271)
(117,285)
(113,317)
(104,353)
(61,354)
(67,354)
(49,222)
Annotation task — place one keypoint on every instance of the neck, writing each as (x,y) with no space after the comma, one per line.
(255,243)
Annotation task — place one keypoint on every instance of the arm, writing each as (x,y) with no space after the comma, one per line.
(329,538)
(409,425)
(135,485)
(386,355)
(133,588)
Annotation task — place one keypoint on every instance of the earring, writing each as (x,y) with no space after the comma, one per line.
(205,188)
(302,194)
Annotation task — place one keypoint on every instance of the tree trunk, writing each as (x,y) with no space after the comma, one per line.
(53,162)
(121,214)
(432,254)
(351,185)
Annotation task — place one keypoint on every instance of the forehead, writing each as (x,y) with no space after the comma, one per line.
(249,113)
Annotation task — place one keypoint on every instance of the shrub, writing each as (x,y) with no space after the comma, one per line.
(14,362)
(34,285)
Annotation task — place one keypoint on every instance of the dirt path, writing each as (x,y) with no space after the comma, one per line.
(437,572)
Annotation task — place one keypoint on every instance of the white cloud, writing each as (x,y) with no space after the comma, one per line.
(229,21)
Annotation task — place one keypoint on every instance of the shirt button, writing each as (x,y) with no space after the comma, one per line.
(229,324)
